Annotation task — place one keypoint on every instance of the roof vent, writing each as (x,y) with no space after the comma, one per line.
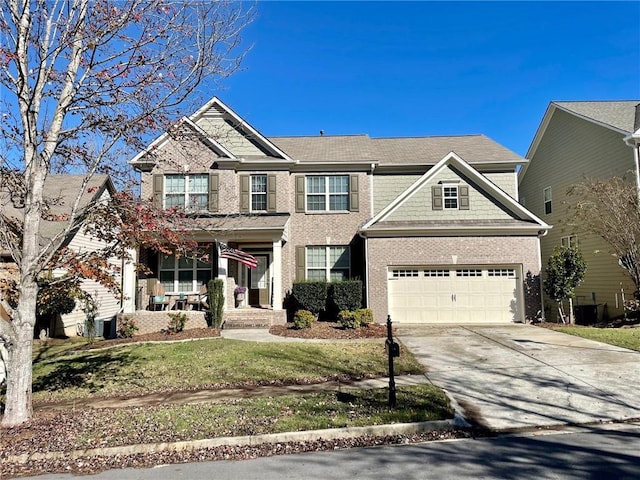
(321,133)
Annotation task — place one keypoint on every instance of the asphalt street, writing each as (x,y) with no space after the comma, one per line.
(601,452)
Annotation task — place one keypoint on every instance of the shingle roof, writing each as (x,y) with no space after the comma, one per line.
(617,114)
(328,148)
(60,191)
(395,151)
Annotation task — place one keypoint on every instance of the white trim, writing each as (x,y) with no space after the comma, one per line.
(254,133)
(452,159)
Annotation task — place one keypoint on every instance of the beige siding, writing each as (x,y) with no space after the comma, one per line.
(505,181)
(388,187)
(419,206)
(571,149)
(229,137)
(384,252)
(109,304)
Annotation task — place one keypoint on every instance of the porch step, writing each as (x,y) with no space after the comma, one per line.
(253,318)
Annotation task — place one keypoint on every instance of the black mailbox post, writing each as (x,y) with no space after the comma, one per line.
(393,350)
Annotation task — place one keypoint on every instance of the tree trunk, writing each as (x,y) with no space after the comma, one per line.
(572,317)
(19,376)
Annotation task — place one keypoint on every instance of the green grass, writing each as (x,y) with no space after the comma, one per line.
(621,337)
(259,415)
(212,363)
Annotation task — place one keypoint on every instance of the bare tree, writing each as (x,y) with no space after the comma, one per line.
(609,209)
(85,82)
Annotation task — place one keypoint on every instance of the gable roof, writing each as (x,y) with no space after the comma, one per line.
(618,115)
(61,191)
(213,108)
(527,221)
(615,115)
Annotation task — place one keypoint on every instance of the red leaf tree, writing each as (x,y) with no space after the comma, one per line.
(86,82)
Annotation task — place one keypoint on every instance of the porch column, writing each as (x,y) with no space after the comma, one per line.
(276,268)
(223,269)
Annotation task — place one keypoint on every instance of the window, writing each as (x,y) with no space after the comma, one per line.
(405,273)
(327,263)
(469,272)
(190,192)
(183,274)
(436,273)
(258,193)
(547,200)
(450,195)
(502,272)
(328,193)
(569,241)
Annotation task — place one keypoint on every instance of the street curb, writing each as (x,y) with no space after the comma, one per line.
(247,440)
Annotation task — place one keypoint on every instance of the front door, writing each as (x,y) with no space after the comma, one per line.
(259,282)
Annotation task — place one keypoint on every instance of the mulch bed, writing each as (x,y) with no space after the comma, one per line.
(329,331)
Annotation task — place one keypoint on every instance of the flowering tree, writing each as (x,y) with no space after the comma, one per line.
(85,82)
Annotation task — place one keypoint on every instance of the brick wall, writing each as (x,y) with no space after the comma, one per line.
(385,252)
(150,322)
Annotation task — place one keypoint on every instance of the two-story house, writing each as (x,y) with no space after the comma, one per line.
(578,140)
(431,225)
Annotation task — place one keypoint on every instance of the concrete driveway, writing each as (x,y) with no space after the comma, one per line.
(514,376)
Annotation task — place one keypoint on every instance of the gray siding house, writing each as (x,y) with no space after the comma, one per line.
(577,140)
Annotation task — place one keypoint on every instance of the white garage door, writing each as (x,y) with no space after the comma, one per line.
(454,294)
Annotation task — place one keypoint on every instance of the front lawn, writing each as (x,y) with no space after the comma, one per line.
(621,337)
(64,430)
(137,369)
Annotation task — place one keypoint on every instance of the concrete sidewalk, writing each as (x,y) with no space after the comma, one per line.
(522,376)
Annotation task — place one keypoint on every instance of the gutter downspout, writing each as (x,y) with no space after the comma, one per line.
(633,141)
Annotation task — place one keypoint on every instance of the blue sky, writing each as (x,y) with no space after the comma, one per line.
(431,68)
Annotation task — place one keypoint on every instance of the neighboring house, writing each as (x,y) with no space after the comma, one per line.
(60,192)
(431,225)
(577,140)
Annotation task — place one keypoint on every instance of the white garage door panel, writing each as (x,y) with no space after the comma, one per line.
(454,295)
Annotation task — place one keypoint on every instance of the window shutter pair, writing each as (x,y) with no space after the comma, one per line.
(354,193)
(463,197)
(245,193)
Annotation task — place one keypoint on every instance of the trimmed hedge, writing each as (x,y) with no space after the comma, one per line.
(311,296)
(328,298)
(345,295)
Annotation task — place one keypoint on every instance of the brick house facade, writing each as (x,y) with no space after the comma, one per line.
(338,207)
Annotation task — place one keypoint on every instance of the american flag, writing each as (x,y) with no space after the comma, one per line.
(234,254)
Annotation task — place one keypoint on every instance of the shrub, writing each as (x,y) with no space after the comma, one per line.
(176,323)
(215,290)
(345,295)
(311,296)
(348,319)
(364,316)
(127,327)
(303,319)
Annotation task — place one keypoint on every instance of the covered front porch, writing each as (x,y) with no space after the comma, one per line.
(178,283)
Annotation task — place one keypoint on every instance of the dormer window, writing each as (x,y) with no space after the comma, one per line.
(450,195)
